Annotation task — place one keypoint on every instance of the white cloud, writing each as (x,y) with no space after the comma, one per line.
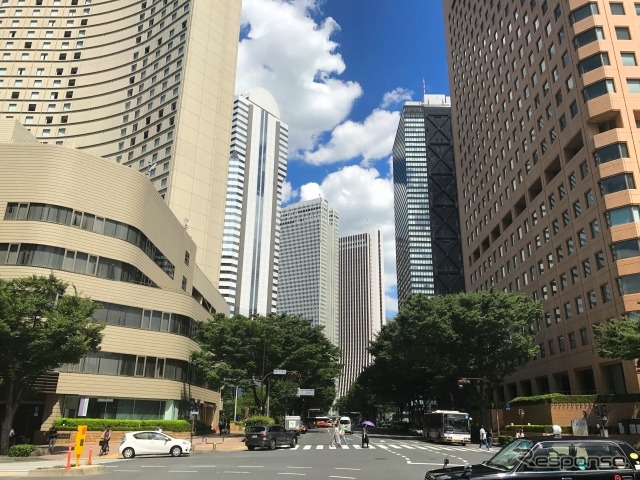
(364,201)
(288,192)
(371,140)
(396,97)
(293,57)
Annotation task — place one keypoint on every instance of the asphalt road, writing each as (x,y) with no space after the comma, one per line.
(389,457)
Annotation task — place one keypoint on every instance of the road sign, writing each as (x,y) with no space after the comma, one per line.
(306,392)
(507,406)
(279,372)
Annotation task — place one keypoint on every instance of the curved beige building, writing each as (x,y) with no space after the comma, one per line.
(147,83)
(103,228)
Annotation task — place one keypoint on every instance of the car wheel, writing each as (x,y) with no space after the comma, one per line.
(293,442)
(128,453)
(251,447)
(272,444)
(175,451)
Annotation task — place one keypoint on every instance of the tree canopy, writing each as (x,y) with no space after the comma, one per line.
(434,341)
(243,351)
(618,338)
(41,328)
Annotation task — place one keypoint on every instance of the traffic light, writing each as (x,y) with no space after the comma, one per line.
(598,410)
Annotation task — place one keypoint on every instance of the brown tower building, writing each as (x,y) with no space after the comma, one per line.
(546,110)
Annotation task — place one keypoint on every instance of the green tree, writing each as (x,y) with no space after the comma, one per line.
(618,338)
(41,328)
(436,340)
(241,350)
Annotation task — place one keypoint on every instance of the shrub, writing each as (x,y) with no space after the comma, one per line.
(22,450)
(258,420)
(99,424)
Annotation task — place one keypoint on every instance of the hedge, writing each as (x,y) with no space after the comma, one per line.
(99,424)
(22,450)
(258,420)
(561,398)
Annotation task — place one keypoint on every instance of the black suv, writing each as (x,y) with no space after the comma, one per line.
(269,436)
(574,458)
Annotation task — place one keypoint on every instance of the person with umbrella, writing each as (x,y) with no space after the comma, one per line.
(365,434)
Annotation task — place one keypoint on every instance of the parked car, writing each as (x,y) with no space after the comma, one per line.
(577,458)
(269,436)
(152,443)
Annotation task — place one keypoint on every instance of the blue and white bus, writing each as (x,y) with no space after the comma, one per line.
(448,426)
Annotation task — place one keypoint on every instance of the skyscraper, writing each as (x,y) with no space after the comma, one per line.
(362,302)
(428,253)
(309,261)
(146,83)
(545,115)
(257,169)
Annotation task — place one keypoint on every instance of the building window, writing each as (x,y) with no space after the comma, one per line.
(584,336)
(598,89)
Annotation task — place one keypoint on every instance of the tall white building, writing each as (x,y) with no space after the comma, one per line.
(309,261)
(362,302)
(257,169)
(149,84)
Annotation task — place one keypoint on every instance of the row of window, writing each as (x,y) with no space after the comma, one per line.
(105,363)
(55,258)
(86,221)
(144,319)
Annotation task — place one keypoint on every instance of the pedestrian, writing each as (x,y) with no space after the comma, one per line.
(336,435)
(342,430)
(365,437)
(53,434)
(489,439)
(483,436)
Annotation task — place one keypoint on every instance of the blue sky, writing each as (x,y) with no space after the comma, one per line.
(340,71)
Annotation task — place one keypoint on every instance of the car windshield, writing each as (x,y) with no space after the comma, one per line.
(510,456)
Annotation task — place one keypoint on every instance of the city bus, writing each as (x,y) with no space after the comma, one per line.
(449,426)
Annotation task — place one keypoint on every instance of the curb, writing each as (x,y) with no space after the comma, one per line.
(62,472)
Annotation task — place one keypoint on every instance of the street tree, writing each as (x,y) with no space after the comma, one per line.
(436,340)
(618,338)
(41,328)
(245,351)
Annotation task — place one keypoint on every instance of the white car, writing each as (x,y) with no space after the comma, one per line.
(152,443)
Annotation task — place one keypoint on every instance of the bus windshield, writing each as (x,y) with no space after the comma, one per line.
(456,423)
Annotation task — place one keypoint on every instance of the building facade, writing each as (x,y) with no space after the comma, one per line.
(362,302)
(251,238)
(127,252)
(149,84)
(545,115)
(427,226)
(308,278)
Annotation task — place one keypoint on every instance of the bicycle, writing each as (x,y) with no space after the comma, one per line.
(104,447)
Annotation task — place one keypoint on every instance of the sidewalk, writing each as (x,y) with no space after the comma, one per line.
(21,466)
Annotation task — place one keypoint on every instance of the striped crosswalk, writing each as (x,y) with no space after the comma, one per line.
(396,446)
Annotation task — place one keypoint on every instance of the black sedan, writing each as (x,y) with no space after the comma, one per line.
(570,458)
(269,436)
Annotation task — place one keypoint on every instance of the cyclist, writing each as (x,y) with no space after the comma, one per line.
(53,434)
(104,441)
